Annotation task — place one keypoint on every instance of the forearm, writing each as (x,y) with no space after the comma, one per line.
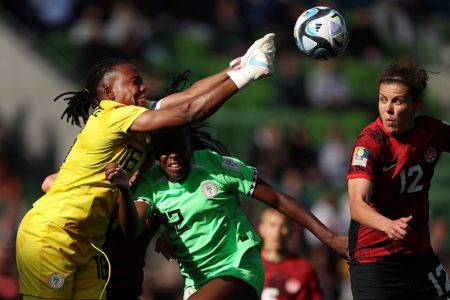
(365,215)
(198,89)
(188,106)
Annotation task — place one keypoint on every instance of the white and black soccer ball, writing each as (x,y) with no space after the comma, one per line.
(321,33)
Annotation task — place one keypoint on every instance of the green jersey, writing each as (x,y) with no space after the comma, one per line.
(209,232)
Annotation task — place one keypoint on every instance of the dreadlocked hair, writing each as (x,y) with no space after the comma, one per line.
(79,103)
(203,140)
(177,84)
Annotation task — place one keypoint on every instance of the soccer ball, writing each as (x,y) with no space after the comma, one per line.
(320,32)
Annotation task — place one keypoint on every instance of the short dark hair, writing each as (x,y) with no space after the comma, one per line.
(408,74)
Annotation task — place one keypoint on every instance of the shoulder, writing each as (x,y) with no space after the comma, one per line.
(428,121)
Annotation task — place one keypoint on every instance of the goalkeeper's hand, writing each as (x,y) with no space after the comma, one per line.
(265,44)
(256,63)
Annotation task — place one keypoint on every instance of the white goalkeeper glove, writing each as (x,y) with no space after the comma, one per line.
(256,63)
(265,44)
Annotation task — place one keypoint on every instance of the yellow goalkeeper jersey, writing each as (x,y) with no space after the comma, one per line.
(81,199)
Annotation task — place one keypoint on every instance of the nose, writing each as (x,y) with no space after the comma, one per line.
(389,108)
(143,88)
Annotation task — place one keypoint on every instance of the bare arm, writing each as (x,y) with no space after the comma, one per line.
(48,181)
(198,88)
(298,213)
(359,192)
(196,103)
(131,216)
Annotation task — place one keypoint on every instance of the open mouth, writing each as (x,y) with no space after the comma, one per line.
(175,166)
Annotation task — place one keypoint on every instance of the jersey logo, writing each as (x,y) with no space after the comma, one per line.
(360,157)
(209,189)
(56,280)
(387,168)
(430,155)
(231,164)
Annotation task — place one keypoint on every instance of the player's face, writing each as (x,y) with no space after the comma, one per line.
(274,230)
(174,153)
(127,85)
(396,107)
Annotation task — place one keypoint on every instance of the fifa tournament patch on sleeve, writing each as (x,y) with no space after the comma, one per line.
(360,157)
(231,164)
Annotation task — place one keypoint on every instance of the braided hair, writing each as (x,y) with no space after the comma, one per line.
(79,103)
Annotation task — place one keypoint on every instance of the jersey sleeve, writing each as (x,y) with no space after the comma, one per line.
(142,190)
(122,117)
(236,175)
(364,158)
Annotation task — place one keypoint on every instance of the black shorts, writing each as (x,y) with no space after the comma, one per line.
(404,277)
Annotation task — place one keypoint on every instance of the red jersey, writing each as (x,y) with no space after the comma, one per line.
(291,279)
(400,168)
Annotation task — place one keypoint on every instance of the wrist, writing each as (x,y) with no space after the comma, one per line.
(242,77)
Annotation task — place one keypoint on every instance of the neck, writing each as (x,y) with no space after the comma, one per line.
(273,256)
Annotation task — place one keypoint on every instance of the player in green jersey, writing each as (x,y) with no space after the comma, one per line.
(195,193)
(58,245)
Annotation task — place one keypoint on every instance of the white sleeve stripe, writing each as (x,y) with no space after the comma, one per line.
(255,177)
(157,105)
(141,200)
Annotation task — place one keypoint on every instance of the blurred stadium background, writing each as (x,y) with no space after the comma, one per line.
(297,127)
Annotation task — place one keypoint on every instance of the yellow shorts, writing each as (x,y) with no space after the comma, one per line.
(53,263)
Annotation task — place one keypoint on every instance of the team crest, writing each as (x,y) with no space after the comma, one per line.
(56,280)
(360,157)
(430,155)
(209,189)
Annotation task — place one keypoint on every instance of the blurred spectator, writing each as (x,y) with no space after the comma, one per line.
(229,26)
(326,210)
(302,155)
(52,13)
(86,34)
(333,157)
(11,206)
(365,42)
(326,87)
(268,151)
(392,22)
(126,30)
(290,79)
(287,275)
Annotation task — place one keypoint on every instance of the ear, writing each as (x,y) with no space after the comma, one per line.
(109,93)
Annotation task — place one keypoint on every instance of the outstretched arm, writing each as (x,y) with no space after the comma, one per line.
(298,213)
(206,96)
(359,192)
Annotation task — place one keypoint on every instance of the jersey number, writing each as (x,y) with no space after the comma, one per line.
(439,272)
(131,159)
(174,218)
(414,173)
